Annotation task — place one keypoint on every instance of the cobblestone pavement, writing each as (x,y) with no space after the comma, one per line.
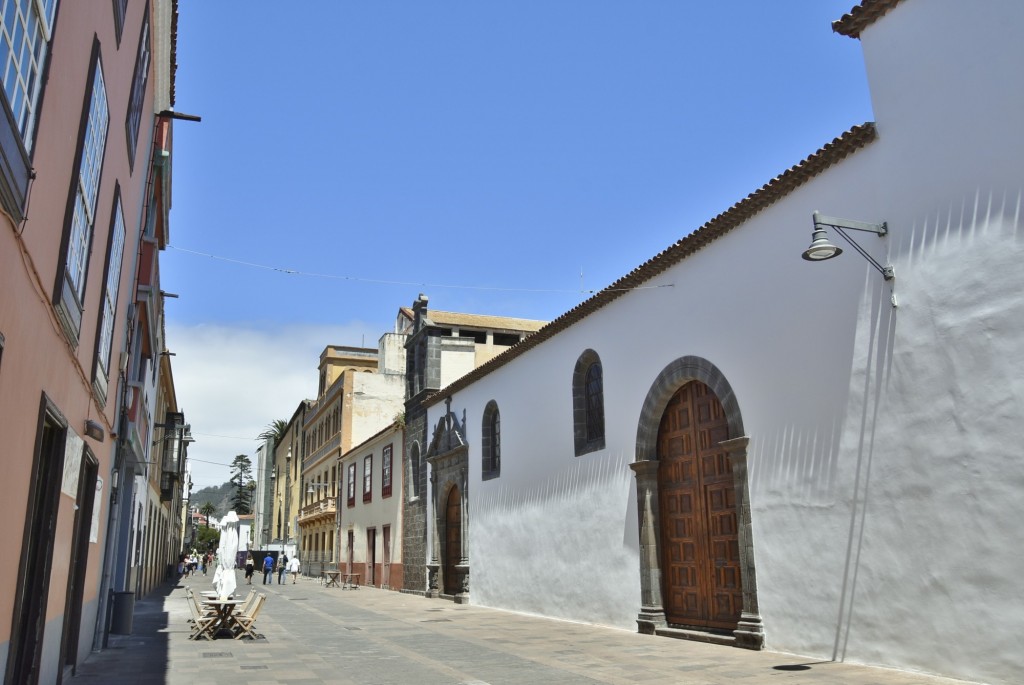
(315,635)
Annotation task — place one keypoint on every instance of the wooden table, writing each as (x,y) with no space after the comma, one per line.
(225,618)
(332,578)
(351,581)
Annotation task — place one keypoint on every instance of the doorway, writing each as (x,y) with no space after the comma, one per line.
(699,546)
(33,583)
(371,556)
(85,498)
(452,541)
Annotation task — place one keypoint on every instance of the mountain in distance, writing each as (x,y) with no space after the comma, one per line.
(217,495)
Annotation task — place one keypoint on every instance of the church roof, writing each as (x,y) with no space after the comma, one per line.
(767,195)
(863,15)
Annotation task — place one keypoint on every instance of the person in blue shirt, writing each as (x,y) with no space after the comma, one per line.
(268,569)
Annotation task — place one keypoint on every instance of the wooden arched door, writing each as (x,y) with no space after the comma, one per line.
(700,560)
(452,541)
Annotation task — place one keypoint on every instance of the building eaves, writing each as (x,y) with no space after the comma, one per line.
(361,447)
(767,195)
(501,323)
(863,15)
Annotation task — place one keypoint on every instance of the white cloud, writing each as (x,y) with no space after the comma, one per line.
(231,381)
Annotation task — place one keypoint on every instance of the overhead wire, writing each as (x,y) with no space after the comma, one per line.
(357,279)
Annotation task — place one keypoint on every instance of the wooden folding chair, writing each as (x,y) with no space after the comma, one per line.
(191,598)
(246,604)
(201,623)
(244,623)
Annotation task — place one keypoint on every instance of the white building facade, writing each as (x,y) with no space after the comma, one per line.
(732,444)
(371,510)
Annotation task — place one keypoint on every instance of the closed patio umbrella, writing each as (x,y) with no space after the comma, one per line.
(224,578)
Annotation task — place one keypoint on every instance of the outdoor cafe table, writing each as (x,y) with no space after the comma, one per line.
(225,619)
(332,578)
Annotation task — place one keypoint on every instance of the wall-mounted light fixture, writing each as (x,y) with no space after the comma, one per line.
(821,247)
(94,430)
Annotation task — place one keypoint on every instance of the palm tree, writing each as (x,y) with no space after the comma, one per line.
(206,510)
(275,430)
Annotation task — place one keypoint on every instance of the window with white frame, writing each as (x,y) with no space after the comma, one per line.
(26,27)
(134,118)
(83,217)
(367,478)
(351,485)
(110,290)
(385,471)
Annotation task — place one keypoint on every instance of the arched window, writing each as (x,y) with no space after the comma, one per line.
(588,403)
(491,432)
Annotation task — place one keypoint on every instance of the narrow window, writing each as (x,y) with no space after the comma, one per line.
(491,432)
(595,403)
(138,94)
(25,33)
(120,8)
(385,472)
(414,472)
(588,404)
(352,484)
(85,189)
(367,478)
(114,258)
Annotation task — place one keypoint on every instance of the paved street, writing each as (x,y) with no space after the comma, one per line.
(315,635)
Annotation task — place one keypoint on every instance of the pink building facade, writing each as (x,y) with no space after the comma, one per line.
(85,136)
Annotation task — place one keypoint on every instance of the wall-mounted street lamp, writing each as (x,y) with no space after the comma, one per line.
(310,490)
(821,247)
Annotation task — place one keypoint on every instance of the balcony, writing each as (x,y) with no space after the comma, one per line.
(324,509)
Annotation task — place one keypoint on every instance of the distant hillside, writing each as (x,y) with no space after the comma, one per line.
(219,496)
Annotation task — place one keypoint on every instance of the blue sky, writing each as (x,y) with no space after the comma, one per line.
(505,148)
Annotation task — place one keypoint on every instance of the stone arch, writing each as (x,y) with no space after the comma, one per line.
(651,619)
(672,377)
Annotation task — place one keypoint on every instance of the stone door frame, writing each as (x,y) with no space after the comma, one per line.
(749,632)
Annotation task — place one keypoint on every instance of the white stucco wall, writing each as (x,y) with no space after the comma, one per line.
(380,511)
(377,399)
(884,443)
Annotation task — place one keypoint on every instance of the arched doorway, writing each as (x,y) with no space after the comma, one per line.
(687,572)
(452,541)
(700,559)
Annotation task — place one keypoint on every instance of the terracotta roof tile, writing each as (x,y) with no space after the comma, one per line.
(863,15)
(780,186)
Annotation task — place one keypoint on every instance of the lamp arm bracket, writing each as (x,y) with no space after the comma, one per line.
(834,222)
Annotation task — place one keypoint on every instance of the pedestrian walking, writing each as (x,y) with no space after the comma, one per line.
(268,568)
(293,568)
(282,569)
(249,568)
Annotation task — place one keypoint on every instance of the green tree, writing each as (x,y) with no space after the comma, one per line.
(241,477)
(207,511)
(207,539)
(275,430)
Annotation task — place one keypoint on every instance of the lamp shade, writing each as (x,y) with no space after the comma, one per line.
(821,248)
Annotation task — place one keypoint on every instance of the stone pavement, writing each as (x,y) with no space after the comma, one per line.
(315,635)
